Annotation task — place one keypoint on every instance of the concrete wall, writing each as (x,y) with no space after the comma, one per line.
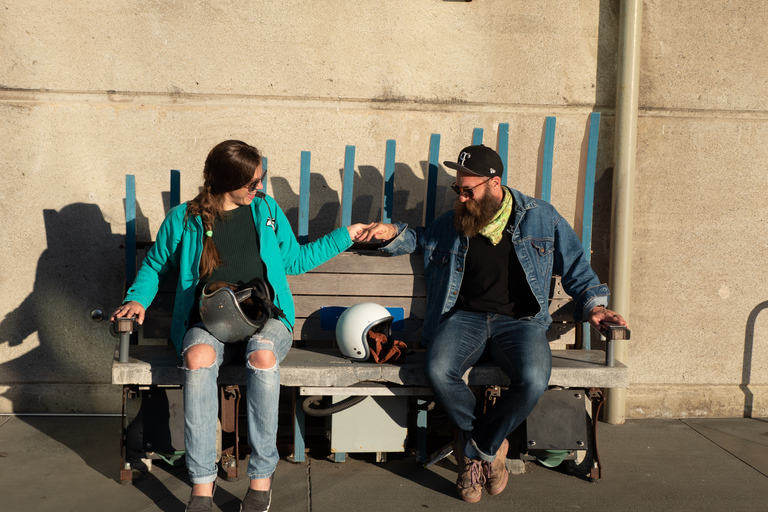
(90,92)
(699,296)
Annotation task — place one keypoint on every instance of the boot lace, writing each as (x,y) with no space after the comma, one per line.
(477,473)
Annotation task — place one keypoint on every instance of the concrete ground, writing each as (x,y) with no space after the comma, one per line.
(71,464)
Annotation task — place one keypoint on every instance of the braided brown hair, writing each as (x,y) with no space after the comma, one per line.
(229,166)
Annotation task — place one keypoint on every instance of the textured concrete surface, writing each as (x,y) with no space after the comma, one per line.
(446,51)
(570,368)
(71,464)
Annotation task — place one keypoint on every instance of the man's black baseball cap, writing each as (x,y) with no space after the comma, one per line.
(478,160)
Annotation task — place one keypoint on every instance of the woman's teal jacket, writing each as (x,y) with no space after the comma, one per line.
(179,244)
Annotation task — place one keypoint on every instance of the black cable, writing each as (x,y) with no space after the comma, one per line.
(307,404)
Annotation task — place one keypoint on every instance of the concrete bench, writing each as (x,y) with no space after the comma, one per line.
(315,367)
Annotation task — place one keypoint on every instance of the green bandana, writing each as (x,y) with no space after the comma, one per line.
(495,228)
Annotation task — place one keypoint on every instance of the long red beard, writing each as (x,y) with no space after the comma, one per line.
(472,216)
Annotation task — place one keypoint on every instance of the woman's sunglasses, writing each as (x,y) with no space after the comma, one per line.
(467,191)
(255,184)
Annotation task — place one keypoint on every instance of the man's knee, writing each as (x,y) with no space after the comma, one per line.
(262,359)
(199,356)
(534,382)
(441,375)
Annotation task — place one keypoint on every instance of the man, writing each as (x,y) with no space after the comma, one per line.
(488,267)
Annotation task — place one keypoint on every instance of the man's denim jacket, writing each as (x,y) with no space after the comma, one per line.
(543,241)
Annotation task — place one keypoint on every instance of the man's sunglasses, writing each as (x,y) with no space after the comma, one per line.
(255,184)
(467,191)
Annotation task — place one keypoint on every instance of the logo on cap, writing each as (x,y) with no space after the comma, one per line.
(463,156)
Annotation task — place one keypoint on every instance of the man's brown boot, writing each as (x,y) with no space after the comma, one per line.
(496,474)
(471,476)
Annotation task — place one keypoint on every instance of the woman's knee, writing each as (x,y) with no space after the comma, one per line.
(262,359)
(199,356)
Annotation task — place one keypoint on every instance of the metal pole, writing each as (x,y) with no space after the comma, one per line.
(625,145)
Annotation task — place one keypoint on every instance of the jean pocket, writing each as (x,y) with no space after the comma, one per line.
(544,250)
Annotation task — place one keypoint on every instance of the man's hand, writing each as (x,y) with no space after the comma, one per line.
(600,314)
(378,231)
(130,309)
(356,229)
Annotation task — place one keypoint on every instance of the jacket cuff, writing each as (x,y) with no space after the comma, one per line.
(396,242)
(134,297)
(341,238)
(589,298)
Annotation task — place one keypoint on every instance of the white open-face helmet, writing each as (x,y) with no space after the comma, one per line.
(353,326)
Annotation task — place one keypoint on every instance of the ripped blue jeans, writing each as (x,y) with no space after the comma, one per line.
(201,401)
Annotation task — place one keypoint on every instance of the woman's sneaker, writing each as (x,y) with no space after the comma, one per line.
(201,503)
(257,501)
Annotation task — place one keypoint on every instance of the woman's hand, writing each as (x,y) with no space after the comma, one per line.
(378,231)
(130,309)
(356,229)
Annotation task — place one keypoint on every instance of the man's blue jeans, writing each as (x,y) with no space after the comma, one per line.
(521,350)
(201,404)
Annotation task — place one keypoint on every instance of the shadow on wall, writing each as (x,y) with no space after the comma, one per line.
(325,207)
(607,54)
(79,271)
(75,274)
(749,348)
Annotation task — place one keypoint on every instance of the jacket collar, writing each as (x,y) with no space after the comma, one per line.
(522,201)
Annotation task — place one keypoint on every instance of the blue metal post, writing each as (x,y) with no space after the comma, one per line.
(421,431)
(299,429)
(589,183)
(175,188)
(347,189)
(589,200)
(388,192)
(130,229)
(430,188)
(304,178)
(264,167)
(477,136)
(502,148)
(549,149)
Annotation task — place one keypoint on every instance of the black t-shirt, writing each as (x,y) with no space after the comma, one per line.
(236,239)
(494,280)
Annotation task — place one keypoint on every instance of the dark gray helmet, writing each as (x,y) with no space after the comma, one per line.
(236,312)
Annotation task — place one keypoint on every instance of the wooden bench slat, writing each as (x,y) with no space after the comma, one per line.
(383,285)
(372,262)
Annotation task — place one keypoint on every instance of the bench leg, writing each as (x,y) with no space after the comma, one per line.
(230,426)
(126,472)
(597,398)
(299,428)
(421,431)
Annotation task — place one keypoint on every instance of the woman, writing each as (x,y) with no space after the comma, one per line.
(212,238)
